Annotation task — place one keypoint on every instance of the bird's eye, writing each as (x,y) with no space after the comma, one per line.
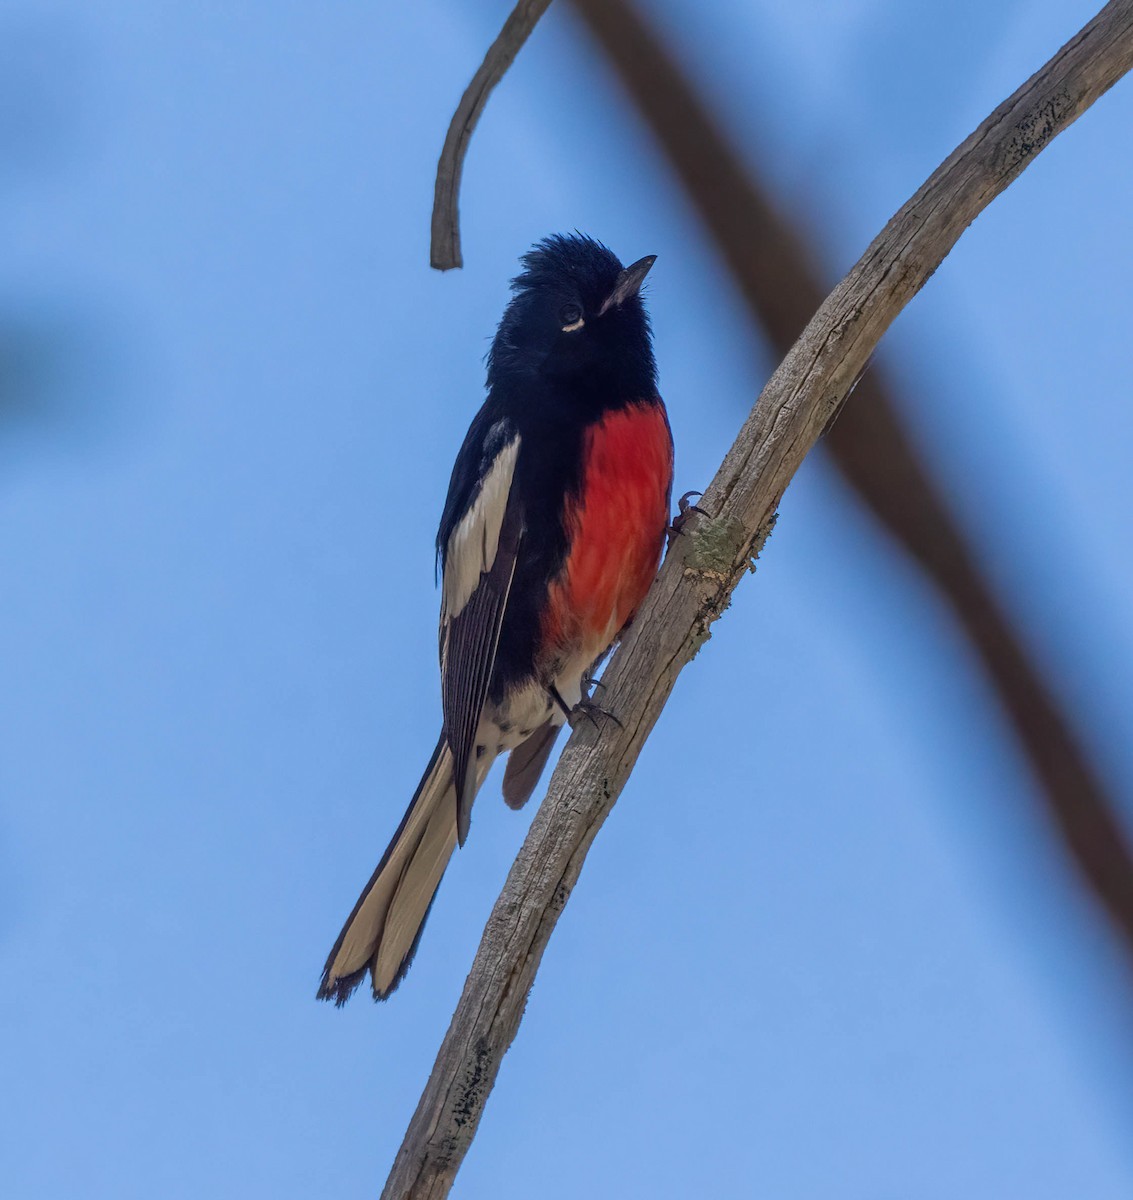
(571,318)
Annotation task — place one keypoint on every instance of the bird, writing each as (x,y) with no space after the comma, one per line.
(551,534)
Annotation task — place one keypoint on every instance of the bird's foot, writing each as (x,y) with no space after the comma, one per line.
(586,707)
(591,710)
(684,509)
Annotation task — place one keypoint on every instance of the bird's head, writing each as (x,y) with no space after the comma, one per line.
(576,317)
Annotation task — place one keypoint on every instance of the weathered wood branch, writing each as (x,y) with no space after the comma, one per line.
(772,267)
(444,251)
(698,577)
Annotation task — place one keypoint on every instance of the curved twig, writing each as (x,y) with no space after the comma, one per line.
(444,249)
(697,579)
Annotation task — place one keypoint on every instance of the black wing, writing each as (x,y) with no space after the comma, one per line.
(478,544)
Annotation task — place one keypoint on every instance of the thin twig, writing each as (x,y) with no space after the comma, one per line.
(444,250)
(699,575)
(770,263)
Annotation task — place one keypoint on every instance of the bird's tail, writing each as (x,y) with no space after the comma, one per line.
(382,932)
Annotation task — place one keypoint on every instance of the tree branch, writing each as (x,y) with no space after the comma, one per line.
(770,264)
(698,577)
(444,250)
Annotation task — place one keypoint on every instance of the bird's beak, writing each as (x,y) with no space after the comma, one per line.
(629,283)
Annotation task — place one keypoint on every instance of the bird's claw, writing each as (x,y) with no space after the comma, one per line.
(684,510)
(591,710)
(586,707)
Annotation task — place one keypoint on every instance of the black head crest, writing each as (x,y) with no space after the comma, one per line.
(576,313)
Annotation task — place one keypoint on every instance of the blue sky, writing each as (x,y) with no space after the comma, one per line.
(824,946)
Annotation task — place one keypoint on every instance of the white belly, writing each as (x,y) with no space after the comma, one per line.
(504,726)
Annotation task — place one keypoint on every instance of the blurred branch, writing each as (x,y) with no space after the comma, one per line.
(698,577)
(772,267)
(444,250)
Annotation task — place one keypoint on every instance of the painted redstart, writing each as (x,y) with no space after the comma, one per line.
(550,537)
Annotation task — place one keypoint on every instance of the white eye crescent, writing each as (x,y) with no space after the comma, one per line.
(572,319)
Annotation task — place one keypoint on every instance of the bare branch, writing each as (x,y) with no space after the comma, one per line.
(770,263)
(444,250)
(697,579)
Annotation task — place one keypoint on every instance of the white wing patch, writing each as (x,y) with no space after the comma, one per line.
(472,545)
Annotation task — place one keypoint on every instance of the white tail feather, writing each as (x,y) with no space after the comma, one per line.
(381,932)
(415,891)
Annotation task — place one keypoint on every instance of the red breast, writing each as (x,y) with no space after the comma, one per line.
(615,529)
